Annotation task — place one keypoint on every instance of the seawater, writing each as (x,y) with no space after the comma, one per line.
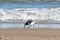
(21,25)
(27,5)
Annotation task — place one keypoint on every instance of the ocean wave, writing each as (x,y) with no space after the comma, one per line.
(29,1)
(30,13)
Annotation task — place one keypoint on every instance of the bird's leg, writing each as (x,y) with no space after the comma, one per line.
(33,25)
(29,26)
(24,26)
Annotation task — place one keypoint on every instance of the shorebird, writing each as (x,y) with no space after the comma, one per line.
(29,24)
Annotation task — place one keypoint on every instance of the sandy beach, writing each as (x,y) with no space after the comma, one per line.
(30,34)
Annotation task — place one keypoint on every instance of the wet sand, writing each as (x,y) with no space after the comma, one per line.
(30,34)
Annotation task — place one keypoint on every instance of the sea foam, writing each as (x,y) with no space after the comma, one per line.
(30,13)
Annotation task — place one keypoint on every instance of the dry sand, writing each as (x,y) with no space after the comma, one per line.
(30,34)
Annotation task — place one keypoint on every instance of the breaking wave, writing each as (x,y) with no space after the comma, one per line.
(30,13)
